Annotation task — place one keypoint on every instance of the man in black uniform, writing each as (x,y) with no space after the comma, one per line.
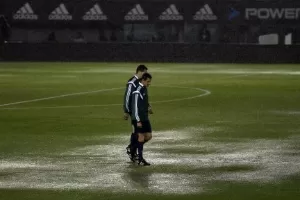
(139,114)
(131,86)
(5,30)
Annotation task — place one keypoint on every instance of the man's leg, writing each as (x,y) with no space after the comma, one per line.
(133,137)
(148,137)
(144,136)
(133,140)
(134,144)
(132,148)
(140,145)
(148,129)
(131,145)
(141,142)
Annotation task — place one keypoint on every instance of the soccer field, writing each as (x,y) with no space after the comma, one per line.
(220,131)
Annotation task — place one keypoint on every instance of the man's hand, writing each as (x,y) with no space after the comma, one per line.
(150,110)
(126,116)
(139,124)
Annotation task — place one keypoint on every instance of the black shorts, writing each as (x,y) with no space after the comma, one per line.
(146,127)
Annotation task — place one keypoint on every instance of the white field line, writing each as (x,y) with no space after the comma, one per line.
(235,76)
(59,96)
(193,71)
(291,112)
(178,70)
(206,92)
(64,76)
(7,75)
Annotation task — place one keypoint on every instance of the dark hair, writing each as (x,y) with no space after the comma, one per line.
(141,68)
(146,76)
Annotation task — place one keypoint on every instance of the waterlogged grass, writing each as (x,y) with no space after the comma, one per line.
(247,103)
(173,169)
(183,150)
(287,189)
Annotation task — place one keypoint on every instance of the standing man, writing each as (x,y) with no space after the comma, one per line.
(131,86)
(5,30)
(139,114)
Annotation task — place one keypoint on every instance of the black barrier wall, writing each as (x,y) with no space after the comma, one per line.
(152,52)
(231,26)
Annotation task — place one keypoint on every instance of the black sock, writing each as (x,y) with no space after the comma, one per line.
(140,149)
(132,139)
(135,142)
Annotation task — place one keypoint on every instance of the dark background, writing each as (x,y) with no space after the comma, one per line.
(230,40)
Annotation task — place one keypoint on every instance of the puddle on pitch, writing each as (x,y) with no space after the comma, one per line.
(181,164)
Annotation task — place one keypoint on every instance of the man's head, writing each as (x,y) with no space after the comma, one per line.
(146,79)
(140,70)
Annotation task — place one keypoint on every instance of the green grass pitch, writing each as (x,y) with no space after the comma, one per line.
(220,131)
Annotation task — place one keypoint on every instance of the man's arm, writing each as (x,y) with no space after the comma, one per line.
(126,106)
(136,105)
(150,111)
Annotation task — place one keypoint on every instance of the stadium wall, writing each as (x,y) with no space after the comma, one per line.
(151,52)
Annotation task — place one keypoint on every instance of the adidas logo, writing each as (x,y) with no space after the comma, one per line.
(205,13)
(25,12)
(171,13)
(95,13)
(136,13)
(60,13)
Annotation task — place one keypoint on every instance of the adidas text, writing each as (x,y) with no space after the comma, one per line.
(25,16)
(170,17)
(94,17)
(205,17)
(60,17)
(136,17)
